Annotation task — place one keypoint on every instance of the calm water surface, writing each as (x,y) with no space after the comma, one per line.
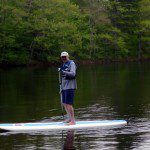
(104,92)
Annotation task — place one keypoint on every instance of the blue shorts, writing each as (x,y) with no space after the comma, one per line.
(68,96)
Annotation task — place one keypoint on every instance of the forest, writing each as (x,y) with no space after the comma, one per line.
(33,31)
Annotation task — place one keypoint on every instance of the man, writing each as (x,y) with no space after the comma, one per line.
(68,86)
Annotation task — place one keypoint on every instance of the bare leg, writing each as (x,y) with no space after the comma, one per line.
(71,114)
(68,114)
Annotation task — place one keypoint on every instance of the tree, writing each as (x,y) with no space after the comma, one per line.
(144,39)
(125,16)
(39,30)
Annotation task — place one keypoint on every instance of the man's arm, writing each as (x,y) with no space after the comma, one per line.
(72,71)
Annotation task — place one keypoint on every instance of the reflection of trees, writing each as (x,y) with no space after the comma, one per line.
(27,94)
(24,90)
(125,89)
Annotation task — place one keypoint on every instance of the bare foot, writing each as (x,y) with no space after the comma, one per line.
(71,123)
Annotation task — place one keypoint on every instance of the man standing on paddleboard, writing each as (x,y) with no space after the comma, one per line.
(68,86)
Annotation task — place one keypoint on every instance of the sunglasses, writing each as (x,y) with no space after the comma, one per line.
(63,57)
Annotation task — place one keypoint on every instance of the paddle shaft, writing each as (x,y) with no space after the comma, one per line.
(60,92)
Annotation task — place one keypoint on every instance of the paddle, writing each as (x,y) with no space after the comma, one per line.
(60,92)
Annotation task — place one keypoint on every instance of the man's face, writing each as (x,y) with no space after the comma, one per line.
(64,58)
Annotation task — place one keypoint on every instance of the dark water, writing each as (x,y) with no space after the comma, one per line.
(104,92)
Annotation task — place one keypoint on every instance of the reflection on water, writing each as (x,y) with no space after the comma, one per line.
(104,92)
(69,141)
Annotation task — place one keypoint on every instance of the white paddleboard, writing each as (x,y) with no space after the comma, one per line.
(59,125)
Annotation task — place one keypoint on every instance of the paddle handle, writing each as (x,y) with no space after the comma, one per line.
(60,92)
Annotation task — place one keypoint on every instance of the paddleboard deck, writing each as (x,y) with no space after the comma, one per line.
(59,125)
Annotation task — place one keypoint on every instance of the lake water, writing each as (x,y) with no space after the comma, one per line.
(105,92)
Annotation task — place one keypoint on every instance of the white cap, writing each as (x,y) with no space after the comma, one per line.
(64,54)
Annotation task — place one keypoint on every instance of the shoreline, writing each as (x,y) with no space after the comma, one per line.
(84,62)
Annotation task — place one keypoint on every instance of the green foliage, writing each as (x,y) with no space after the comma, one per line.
(145,26)
(39,30)
(111,41)
(124,15)
(11,57)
